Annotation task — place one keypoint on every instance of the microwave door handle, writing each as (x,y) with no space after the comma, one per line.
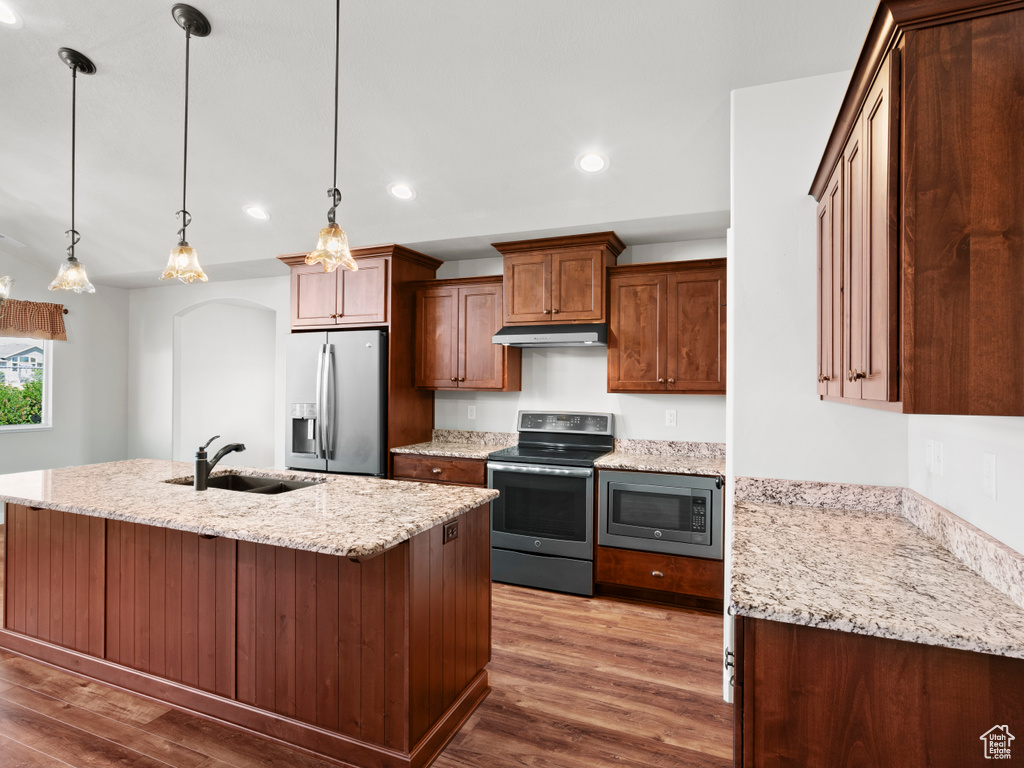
(532,469)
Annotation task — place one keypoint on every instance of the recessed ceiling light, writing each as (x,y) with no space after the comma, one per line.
(8,16)
(256,212)
(402,191)
(592,162)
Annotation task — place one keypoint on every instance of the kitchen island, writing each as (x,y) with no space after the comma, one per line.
(350,618)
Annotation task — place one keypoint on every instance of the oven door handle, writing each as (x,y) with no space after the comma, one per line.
(533,469)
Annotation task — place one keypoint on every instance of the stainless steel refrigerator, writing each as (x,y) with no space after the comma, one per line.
(336,399)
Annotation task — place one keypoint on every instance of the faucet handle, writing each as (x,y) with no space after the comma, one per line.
(204,447)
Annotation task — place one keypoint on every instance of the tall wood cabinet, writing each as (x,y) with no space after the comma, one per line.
(921,215)
(455,320)
(380,294)
(666,327)
(557,279)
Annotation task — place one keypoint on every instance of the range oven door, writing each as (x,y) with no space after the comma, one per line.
(543,510)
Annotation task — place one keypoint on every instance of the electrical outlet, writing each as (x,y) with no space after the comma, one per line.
(929,456)
(937,459)
(471,412)
(670,418)
(988,475)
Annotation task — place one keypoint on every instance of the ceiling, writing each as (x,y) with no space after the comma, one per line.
(481,107)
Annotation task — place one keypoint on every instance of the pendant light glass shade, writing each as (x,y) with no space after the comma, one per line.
(5,287)
(72,277)
(184,265)
(332,250)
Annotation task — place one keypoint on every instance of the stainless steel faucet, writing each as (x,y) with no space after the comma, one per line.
(204,466)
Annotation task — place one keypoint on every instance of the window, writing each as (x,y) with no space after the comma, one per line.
(25,376)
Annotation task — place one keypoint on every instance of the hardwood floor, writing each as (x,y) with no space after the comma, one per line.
(576,683)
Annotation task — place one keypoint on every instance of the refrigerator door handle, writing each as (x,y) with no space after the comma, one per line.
(329,400)
(318,440)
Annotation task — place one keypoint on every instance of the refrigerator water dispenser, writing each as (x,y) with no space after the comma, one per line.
(303,428)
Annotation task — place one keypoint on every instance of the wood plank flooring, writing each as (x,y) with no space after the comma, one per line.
(576,683)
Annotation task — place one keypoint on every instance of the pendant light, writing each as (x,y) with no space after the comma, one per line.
(332,248)
(184,262)
(71,276)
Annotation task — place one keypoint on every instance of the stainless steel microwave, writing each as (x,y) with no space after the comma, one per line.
(675,514)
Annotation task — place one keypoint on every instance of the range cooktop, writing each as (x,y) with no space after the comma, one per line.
(558,438)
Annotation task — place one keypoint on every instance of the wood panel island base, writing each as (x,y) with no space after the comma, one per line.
(372,660)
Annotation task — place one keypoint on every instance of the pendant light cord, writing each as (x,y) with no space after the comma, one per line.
(333,192)
(186,219)
(73,233)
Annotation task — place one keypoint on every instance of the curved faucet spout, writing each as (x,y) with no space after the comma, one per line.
(229,448)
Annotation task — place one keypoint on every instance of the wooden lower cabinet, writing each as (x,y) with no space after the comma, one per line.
(659,577)
(440,469)
(814,697)
(375,662)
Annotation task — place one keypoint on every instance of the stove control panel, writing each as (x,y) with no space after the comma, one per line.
(551,421)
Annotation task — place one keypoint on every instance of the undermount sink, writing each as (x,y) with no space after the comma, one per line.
(251,484)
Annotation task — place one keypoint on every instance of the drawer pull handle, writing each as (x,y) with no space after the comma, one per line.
(436,470)
(658,574)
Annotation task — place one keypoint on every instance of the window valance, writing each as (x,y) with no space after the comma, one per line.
(34,319)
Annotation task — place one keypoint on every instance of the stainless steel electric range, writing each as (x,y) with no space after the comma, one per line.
(542,524)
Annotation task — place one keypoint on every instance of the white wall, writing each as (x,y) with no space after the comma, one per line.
(226,360)
(779,427)
(89,376)
(153,314)
(959,487)
(575,379)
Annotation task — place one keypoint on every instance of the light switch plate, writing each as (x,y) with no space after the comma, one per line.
(670,418)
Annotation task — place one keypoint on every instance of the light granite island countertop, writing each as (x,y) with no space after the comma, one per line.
(667,456)
(884,562)
(461,444)
(341,515)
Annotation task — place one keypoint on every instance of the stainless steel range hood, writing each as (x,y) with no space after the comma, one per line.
(592,335)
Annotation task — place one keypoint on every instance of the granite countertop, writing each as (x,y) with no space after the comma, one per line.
(461,444)
(670,457)
(342,515)
(867,571)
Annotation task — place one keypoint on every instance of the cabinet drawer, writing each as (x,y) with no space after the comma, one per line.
(682,575)
(439,469)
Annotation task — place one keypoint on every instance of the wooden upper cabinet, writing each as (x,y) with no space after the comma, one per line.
(314,296)
(343,298)
(558,279)
(830,288)
(928,138)
(363,294)
(455,320)
(666,329)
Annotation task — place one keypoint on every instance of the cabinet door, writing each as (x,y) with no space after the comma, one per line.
(481,362)
(528,288)
(577,285)
(437,345)
(830,287)
(856,260)
(637,333)
(314,295)
(696,331)
(363,294)
(881,170)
